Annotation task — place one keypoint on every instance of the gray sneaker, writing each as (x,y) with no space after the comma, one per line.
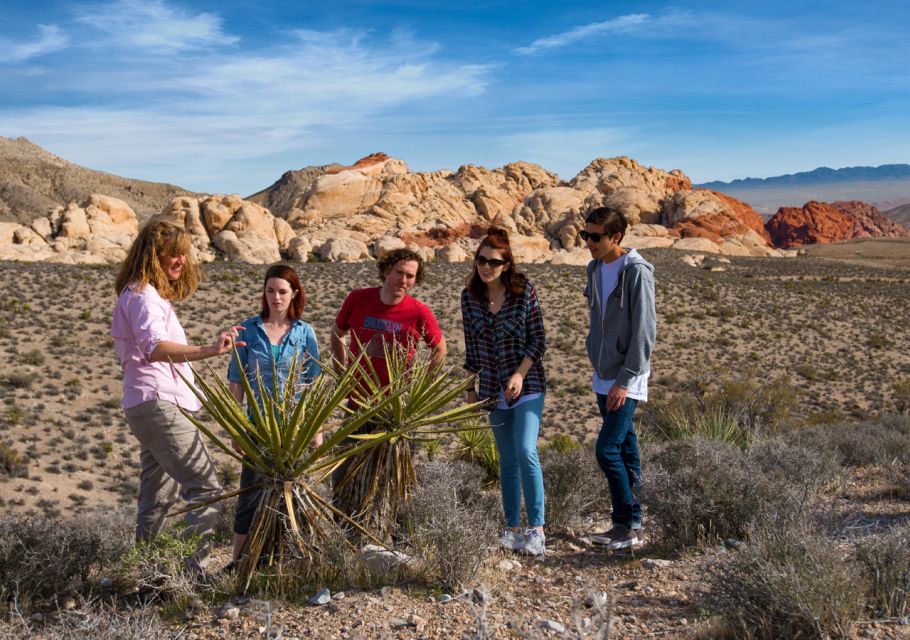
(535,543)
(606,537)
(624,538)
(511,540)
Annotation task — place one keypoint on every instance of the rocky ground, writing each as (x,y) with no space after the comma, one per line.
(834,321)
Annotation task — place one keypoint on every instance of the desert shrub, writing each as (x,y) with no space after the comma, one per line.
(18,380)
(450,523)
(701,491)
(34,356)
(574,486)
(788,582)
(881,441)
(96,621)
(12,463)
(902,396)
(886,565)
(66,551)
(737,410)
(157,568)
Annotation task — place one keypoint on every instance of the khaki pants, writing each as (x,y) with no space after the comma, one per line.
(175,462)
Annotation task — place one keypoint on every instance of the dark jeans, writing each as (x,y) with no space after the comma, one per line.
(248,502)
(617,455)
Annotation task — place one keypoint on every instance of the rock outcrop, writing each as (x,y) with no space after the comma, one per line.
(361,211)
(821,223)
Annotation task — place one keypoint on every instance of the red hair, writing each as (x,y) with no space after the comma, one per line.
(295,309)
(497,239)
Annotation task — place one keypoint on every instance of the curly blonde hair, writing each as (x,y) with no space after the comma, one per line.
(159,238)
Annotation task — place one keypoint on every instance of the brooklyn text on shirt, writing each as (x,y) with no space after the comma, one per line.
(381,324)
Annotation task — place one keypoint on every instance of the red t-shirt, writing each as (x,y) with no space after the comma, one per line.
(372,323)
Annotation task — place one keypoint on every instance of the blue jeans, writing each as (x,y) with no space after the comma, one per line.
(617,455)
(516,431)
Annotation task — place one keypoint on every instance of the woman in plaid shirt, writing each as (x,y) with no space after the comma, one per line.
(504,344)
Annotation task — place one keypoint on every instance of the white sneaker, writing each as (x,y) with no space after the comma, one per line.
(535,543)
(511,540)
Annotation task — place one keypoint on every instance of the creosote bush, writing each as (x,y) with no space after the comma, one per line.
(450,524)
(788,582)
(881,441)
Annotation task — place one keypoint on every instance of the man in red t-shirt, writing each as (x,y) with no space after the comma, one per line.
(383,314)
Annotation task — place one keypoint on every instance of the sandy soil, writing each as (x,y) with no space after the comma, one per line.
(835,320)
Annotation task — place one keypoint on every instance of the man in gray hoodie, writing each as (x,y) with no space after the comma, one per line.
(620,293)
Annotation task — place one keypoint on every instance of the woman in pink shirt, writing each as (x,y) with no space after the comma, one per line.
(152,348)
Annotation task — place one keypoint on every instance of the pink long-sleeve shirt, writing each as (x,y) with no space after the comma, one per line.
(141,320)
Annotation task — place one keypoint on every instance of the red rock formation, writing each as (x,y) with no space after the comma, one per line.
(442,236)
(732,217)
(822,223)
(678,181)
(363,163)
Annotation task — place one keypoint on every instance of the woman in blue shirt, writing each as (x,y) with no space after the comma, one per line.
(504,344)
(277,334)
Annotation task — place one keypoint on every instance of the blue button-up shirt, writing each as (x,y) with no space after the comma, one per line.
(256,356)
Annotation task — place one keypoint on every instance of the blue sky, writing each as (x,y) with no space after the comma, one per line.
(226,96)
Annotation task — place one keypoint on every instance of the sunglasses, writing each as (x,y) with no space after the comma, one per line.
(493,262)
(594,237)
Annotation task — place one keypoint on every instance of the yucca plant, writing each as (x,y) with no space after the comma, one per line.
(294,523)
(373,484)
(477,446)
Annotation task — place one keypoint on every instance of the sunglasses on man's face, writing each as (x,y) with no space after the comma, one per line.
(493,262)
(594,237)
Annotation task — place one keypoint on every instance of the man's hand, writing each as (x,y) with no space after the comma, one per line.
(616,398)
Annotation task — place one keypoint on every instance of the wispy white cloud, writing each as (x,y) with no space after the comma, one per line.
(154,25)
(296,95)
(51,38)
(622,24)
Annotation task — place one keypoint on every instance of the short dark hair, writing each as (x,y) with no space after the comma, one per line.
(613,220)
(283,271)
(395,256)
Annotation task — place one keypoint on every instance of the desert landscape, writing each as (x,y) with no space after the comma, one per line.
(828,327)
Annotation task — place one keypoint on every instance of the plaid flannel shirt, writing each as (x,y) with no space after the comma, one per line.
(495,344)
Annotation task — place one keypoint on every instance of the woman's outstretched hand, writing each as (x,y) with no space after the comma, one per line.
(227,340)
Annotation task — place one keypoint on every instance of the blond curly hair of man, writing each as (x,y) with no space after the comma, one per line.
(159,238)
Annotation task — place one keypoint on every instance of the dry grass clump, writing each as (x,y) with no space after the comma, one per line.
(788,582)
(574,486)
(886,565)
(41,558)
(701,491)
(96,621)
(450,524)
(737,410)
(881,441)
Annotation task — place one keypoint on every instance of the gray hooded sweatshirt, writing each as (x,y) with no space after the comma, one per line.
(622,334)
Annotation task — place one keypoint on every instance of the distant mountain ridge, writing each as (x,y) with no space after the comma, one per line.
(886,186)
(821,175)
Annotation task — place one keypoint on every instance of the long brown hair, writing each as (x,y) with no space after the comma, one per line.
(159,238)
(497,238)
(283,271)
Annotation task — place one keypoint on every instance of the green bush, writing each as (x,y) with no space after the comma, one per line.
(12,463)
(789,582)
